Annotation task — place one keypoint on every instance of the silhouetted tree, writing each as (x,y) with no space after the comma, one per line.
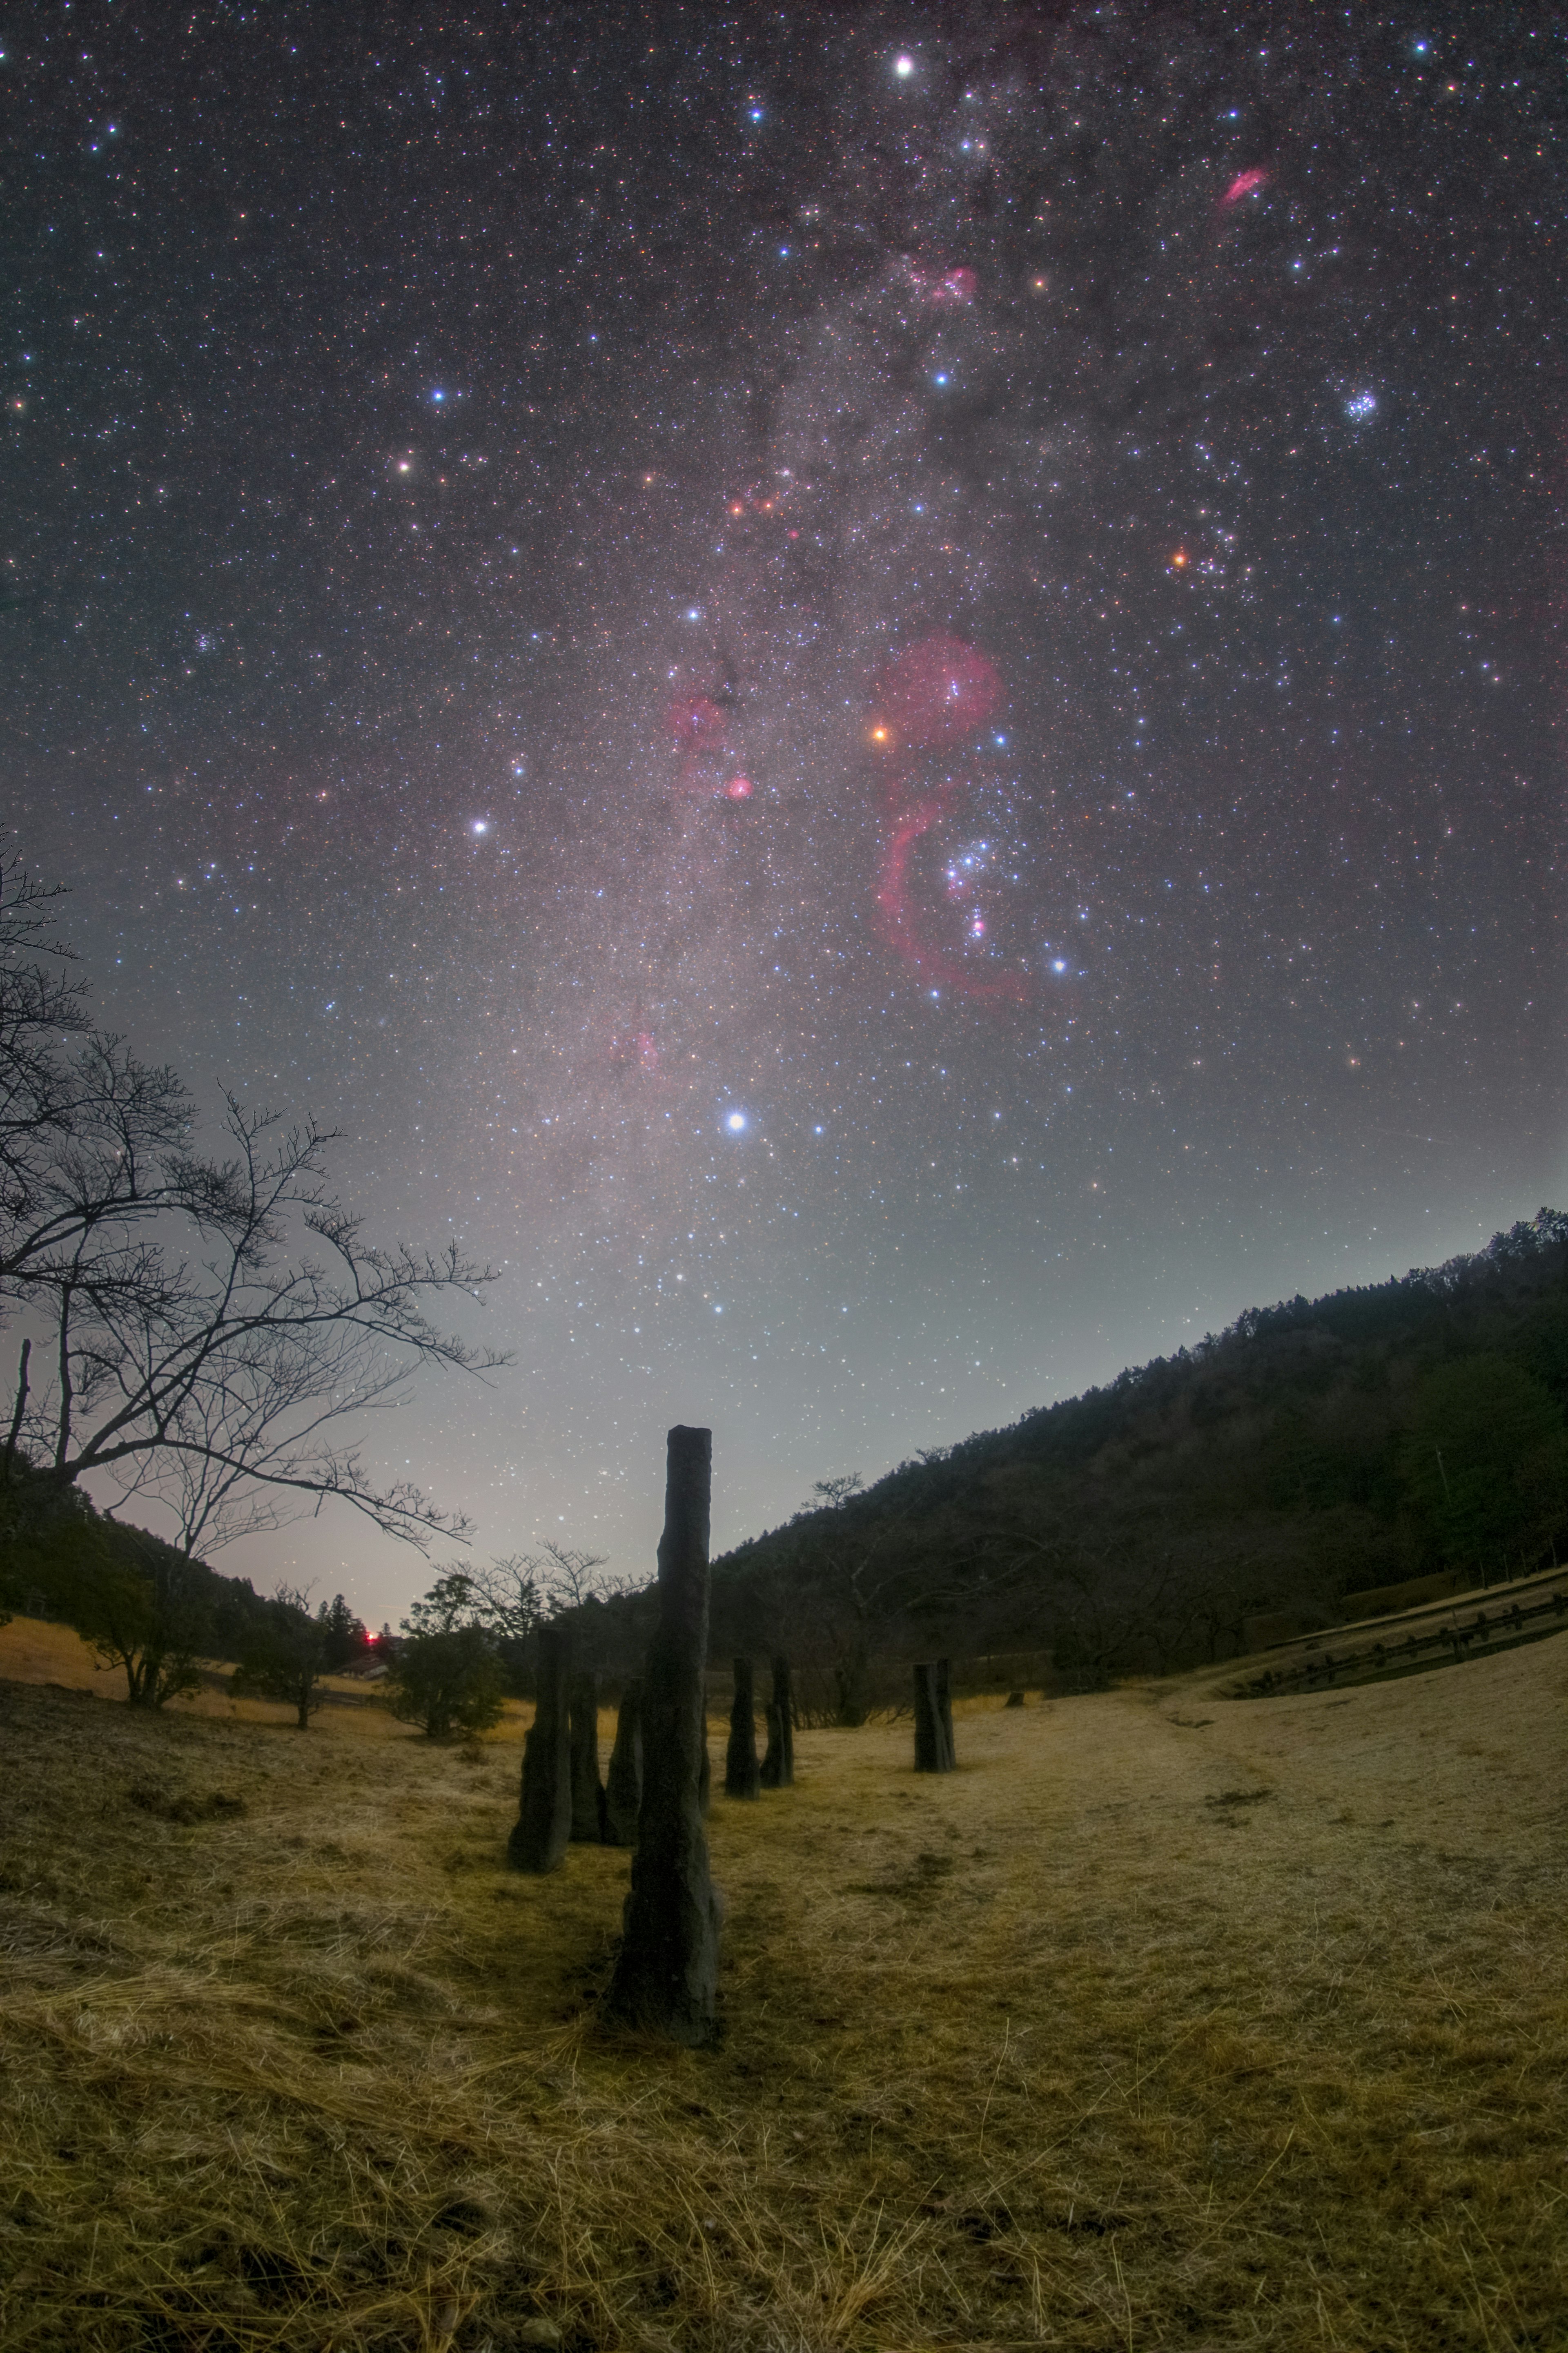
(344,1636)
(446,1676)
(139,1605)
(285,1655)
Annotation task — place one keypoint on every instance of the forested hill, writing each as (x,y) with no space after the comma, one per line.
(1314,1449)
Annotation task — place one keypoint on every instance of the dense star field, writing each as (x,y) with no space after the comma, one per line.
(874,693)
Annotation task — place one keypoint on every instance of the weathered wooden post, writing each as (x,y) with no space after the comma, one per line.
(944,1711)
(543,1825)
(778,1764)
(587,1789)
(783,1700)
(623,1783)
(934,1719)
(667,1972)
(741,1775)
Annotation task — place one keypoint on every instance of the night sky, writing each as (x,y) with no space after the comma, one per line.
(875,694)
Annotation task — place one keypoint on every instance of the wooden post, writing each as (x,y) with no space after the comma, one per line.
(927,1741)
(934,1719)
(667,1972)
(623,1783)
(740,1776)
(778,1764)
(543,1825)
(944,1710)
(587,1789)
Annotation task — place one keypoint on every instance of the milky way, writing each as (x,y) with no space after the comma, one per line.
(875,695)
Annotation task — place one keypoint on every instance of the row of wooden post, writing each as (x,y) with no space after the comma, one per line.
(656,1794)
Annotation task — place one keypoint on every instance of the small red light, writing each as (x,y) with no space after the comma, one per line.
(739,788)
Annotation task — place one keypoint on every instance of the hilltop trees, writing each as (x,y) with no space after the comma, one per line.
(1486,1455)
(209,1326)
(1317,1450)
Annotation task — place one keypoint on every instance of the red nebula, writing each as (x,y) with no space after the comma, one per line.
(896,922)
(739,788)
(939,692)
(958,286)
(634,1047)
(949,291)
(694,719)
(1243,185)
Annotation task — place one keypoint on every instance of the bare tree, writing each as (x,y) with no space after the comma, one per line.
(520,1592)
(41,1002)
(210,1327)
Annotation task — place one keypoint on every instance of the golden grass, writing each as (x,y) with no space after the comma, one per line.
(1167,2021)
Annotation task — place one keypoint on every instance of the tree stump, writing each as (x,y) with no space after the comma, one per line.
(740,1773)
(934,1719)
(543,1825)
(667,1972)
(623,1783)
(778,1764)
(587,1789)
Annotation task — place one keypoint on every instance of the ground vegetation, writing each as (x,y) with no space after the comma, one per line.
(1162,2019)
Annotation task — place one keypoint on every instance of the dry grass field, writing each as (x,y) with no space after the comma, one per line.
(1166,2022)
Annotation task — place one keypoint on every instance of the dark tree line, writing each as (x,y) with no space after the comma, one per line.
(1316,1450)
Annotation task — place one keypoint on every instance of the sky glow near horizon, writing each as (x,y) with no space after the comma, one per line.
(880,710)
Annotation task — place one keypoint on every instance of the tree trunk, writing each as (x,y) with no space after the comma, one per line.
(934,1719)
(741,1775)
(587,1789)
(543,1826)
(778,1764)
(667,1972)
(623,1783)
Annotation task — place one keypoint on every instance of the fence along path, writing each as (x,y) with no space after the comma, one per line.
(1496,1630)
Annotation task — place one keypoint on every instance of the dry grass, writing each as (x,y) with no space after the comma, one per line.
(1167,2021)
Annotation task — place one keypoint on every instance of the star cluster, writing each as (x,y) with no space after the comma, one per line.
(874,693)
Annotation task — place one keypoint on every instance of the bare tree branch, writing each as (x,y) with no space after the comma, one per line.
(216,1323)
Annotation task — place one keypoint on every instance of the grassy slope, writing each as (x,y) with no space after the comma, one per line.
(1092,2045)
